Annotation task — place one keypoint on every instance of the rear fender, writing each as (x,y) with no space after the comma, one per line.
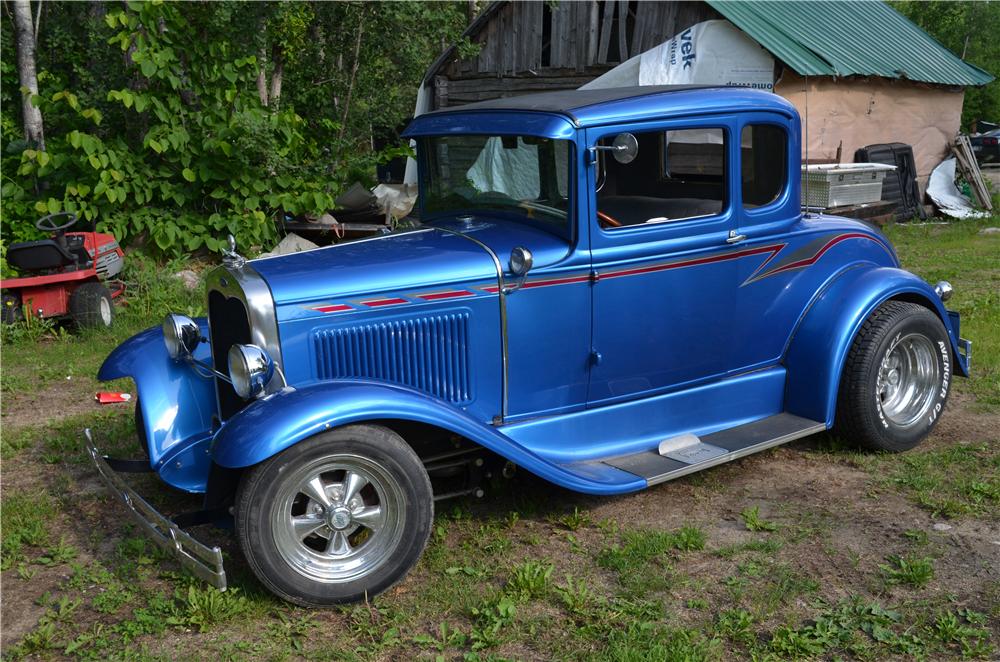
(274,423)
(819,346)
(178,405)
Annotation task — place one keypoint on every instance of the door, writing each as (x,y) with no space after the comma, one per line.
(665,264)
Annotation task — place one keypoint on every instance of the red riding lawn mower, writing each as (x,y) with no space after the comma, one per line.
(73,274)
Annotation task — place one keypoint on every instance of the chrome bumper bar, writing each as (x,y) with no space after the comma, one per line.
(201,560)
(965,347)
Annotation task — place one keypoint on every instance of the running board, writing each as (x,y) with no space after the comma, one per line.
(685,454)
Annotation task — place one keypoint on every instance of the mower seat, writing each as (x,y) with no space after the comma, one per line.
(41,255)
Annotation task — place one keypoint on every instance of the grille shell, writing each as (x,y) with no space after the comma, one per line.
(427,353)
(229,324)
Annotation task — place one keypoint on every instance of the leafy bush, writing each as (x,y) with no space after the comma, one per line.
(207,161)
(156,130)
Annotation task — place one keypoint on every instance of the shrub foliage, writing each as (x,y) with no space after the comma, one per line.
(155,126)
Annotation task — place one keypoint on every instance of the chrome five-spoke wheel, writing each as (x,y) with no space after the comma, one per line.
(335,518)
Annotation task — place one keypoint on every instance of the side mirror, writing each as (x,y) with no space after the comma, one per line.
(625,147)
(520,264)
(520,261)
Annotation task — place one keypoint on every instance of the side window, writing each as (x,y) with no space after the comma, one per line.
(763,164)
(676,174)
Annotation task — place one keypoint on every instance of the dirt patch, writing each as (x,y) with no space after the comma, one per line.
(61,398)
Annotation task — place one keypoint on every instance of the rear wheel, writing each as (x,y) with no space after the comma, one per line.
(90,306)
(10,308)
(896,379)
(339,517)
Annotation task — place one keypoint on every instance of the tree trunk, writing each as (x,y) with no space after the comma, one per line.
(354,73)
(262,75)
(38,20)
(278,57)
(25,36)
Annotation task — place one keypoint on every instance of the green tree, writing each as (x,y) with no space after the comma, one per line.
(968,29)
(182,122)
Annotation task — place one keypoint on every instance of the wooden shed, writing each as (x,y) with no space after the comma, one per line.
(541,46)
(867,73)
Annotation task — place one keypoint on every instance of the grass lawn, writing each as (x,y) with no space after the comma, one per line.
(812,550)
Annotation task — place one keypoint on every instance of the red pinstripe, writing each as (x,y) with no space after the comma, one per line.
(437,296)
(392,301)
(809,261)
(773,249)
(333,308)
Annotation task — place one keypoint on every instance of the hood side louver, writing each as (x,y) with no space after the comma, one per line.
(430,354)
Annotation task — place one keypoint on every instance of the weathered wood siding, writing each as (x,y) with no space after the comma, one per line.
(538,46)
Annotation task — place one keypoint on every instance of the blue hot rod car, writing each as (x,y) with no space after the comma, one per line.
(607,288)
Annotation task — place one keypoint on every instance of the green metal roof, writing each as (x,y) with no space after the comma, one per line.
(848,38)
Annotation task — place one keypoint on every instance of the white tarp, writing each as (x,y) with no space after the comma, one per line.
(709,53)
(422,106)
(513,172)
(395,200)
(945,194)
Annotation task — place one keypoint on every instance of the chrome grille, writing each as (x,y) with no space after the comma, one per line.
(229,325)
(430,354)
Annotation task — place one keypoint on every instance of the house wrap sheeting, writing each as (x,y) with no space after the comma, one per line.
(858,112)
(709,53)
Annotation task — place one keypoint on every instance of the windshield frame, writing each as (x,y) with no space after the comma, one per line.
(566,231)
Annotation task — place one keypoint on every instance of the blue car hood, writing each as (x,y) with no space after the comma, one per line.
(419,258)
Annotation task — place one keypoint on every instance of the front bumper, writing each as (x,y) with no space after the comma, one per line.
(201,560)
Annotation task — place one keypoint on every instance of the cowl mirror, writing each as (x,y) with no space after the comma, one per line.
(520,261)
(520,264)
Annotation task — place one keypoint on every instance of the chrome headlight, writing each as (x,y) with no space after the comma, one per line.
(180,334)
(944,290)
(250,369)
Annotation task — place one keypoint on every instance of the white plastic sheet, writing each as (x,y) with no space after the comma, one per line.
(395,200)
(513,172)
(709,53)
(942,190)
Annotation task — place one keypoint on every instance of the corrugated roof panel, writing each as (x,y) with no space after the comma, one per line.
(841,38)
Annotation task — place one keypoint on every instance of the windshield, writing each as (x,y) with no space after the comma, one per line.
(520,178)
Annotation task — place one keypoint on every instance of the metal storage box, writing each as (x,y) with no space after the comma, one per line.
(835,185)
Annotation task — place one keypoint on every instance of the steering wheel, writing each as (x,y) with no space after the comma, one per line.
(46,224)
(607,221)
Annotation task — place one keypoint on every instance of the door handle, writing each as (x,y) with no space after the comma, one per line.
(735,237)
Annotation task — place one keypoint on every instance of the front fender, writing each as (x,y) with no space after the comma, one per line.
(278,421)
(818,348)
(177,404)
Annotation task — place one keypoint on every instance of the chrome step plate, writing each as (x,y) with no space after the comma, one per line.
(685,454)
(689,449)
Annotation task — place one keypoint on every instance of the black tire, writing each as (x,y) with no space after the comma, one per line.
(10,308)
(900,341)
(269,503)
(91,306)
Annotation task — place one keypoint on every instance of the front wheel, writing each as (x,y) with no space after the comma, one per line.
(896,378)
(337,518)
